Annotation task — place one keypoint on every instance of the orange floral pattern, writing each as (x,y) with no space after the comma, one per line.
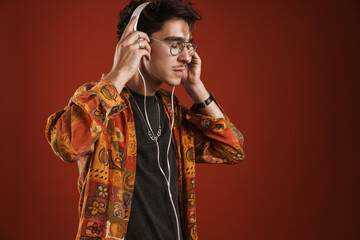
(97,208)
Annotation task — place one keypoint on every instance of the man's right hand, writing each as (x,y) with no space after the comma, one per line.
(128,55)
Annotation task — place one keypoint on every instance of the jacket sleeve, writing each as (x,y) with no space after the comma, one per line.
(73,130)
(217,140)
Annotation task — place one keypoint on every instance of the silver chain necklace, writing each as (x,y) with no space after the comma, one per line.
(150,131)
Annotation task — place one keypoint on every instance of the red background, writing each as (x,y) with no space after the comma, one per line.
(285,72)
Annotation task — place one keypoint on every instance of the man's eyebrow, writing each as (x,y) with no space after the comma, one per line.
(175,38)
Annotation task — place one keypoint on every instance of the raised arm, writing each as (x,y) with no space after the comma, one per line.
(217,140)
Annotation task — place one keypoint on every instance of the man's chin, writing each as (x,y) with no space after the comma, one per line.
(173,82)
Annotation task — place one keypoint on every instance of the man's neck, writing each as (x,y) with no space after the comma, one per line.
(137,85)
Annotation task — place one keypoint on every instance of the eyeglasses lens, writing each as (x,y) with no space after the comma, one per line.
(178,47)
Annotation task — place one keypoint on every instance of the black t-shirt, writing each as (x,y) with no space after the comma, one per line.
(152,215)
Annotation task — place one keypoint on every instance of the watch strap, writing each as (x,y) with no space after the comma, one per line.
(206,102)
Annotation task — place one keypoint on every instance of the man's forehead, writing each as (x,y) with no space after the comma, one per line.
(176,29)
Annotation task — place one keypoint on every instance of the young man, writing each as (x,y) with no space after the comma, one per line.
(137,171)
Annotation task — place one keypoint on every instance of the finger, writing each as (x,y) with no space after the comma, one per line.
(145,49)
(129,28)
(145,53)
(142,45)
(196,56)
(134,36)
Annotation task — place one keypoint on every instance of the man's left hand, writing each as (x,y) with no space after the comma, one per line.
(193,71)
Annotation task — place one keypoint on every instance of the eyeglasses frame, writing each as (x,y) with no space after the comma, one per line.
(183,42)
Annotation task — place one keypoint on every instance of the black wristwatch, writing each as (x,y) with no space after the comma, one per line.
(206,102)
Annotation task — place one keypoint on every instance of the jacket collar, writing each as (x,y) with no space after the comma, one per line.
(162,93)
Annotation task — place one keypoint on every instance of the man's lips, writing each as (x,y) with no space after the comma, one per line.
(179,71)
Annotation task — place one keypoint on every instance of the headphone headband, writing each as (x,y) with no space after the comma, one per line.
(137,12)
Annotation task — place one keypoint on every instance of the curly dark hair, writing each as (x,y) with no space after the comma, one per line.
(152,18)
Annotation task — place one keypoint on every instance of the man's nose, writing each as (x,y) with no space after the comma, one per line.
(184,56)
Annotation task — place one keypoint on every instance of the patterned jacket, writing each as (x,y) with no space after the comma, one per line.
(96,130)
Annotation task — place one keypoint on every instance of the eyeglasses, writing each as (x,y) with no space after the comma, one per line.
(177,47)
